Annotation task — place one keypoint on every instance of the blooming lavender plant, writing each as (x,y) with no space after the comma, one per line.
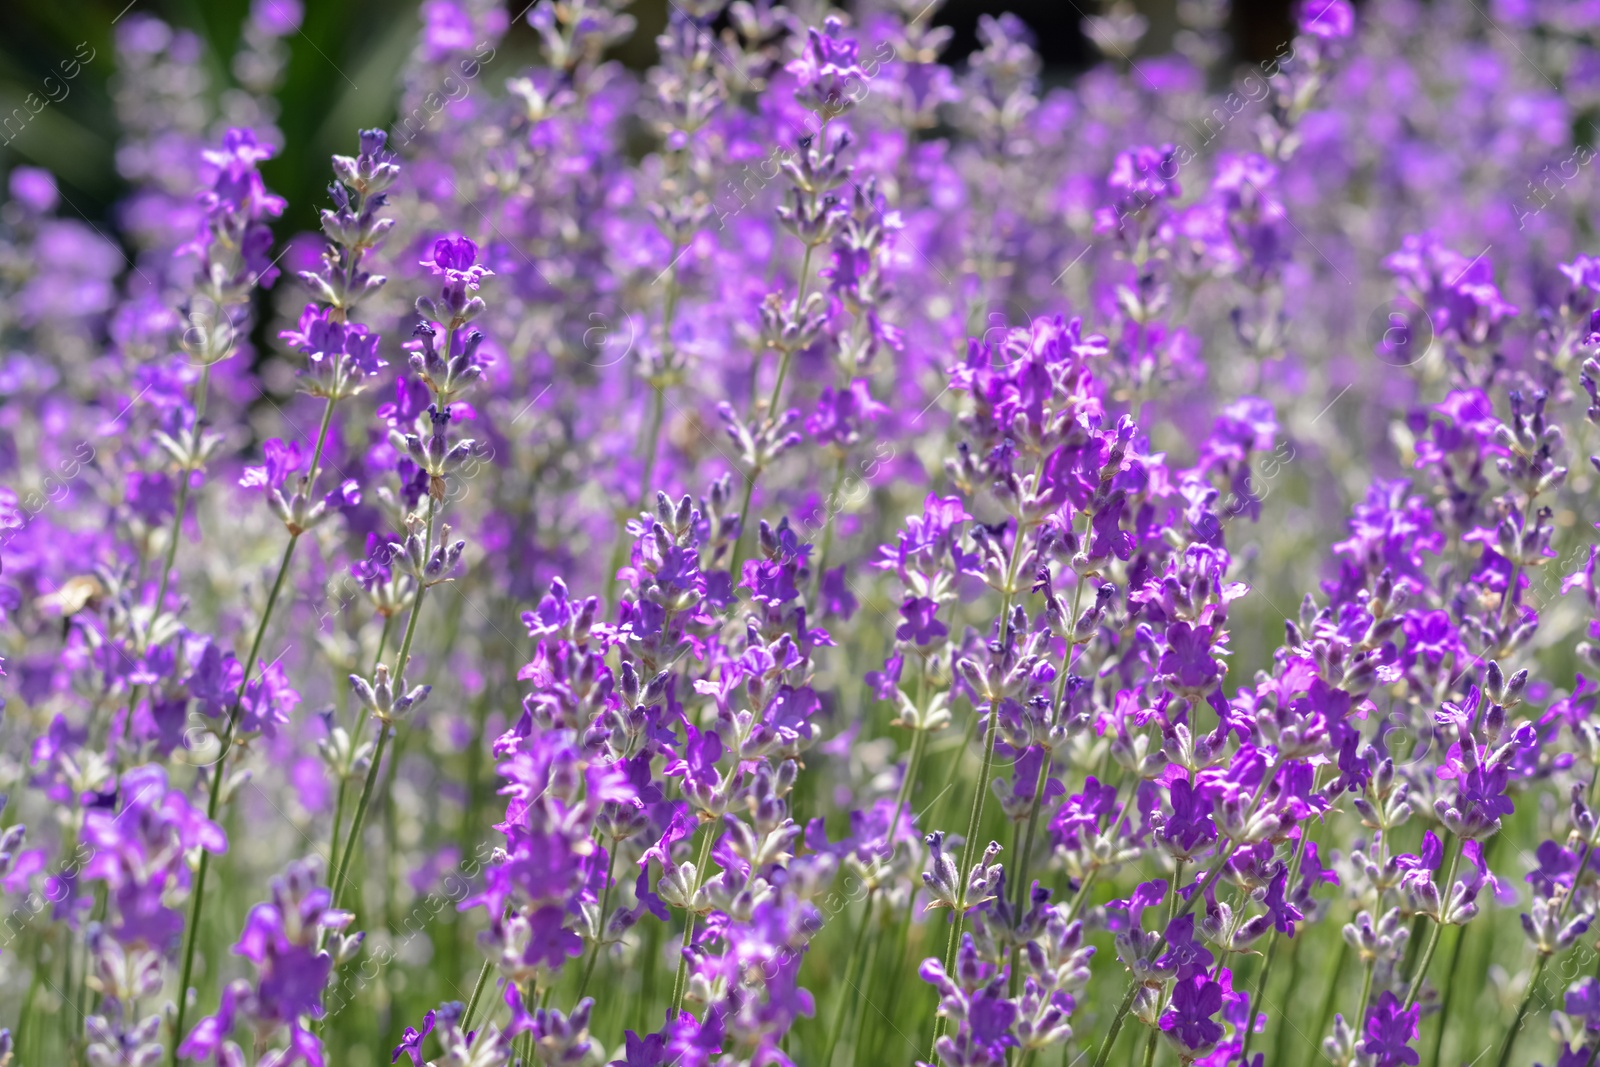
(777,557)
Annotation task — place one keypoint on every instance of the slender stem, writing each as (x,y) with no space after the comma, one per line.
(365,799)
(788,350)
(390,838)
(66,1019)
(1433,939)
(650,953)
(527,1038)
(1543,957)
(1024,854)
(383,639)
(316,453)
(745,525)
(869,969)
(218,774)
(1408,962)
(680,983)
(896,961)
(974,819)
(404,656)
(1150,1048)
(919,742)
(1325,1013)
(26,1023)
(338,820)
(981,792)
(1044,764)
(777,386)
(652,437)
(172,541)
(858,946)
(1366,996)
(1253,1010)
(744,522)
(830,503)
(1522,1010)
(1296,947)
(477,994)
(600,931)
(353,838)
(1444,1004)
(201,390)
(1083,891)
(344,779)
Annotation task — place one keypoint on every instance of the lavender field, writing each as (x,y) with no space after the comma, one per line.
(812,551)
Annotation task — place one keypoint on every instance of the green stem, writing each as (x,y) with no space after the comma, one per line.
(1408,962)
(600,931)
(477,994)
(1150,1047)
(391,842)
(1522,1010)
(201,390)
(1083,892)
(919,742)
(1449,990)
(650,952)
(869,968)
(652,440)
(1044,765)
(1325,1013)
(1296,946)
(1024,855)
(1433,939)
(619,545)
(1255,999)
(172,541)
(784,359)
(830,503)
(1366,996)
(1253,1009)
(353,838)
(788,352)
(316,453)
(219,773)
(338,820)
(25,1019)
(528,1000)
(680,983)
(404,657)
(344,780)
(858,946)
(744,522)
(383,640)
(896,962)
(974,818)
(365,799)
(981,792)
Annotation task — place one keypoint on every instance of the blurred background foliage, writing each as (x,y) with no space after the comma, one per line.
(345,60)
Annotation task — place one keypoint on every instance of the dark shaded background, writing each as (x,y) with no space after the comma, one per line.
(345,60)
